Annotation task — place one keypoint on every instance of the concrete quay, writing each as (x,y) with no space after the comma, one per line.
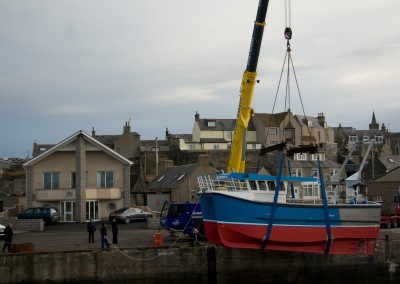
(62,255)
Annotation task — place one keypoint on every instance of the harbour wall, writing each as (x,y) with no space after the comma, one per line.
(200,264)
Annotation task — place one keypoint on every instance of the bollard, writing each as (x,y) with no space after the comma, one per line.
(158,239)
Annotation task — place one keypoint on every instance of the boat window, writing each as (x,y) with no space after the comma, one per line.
(282,187)
(253,185)
(262,185)
(271,185)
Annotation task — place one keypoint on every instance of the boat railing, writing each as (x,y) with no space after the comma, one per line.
(216,182)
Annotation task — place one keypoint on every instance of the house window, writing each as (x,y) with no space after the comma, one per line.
(289,134)
(73,180)
(180,176)
(333,172)
(309,190)
(161,178)
(300,157)
(296,172)
(211,124)
(51,180)
(105,179)
(353,139)
(379,139)
(192,147)
(314,173)
(273,131)
(314,157)
(365,137)
(216,147)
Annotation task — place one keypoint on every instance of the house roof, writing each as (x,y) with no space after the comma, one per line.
(390,162)
(213,140)
(185,137)
(73,138)
(392,176)
(304,120)
(172,177)
(271,120)
(221,124)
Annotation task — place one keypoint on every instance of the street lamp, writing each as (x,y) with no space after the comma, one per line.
(156,157)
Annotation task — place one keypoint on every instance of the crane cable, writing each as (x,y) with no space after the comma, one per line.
(288,36)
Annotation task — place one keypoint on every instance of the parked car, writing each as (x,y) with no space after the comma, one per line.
(48,214)
(128,215)
(2,231)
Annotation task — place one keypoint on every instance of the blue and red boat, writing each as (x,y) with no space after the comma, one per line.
(285,213)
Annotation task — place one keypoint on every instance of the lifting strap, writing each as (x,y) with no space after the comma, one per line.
(326,209)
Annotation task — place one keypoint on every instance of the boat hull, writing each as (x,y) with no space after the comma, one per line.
(239,223)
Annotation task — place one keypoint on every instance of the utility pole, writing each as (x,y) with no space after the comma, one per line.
(156,157)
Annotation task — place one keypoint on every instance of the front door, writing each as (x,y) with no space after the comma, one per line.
(67,211)
(92,210)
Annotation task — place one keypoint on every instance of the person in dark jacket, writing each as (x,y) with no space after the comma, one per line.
(8,234)
(114,229)
(103,238)
(91,228)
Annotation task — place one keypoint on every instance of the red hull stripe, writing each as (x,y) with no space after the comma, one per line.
(345,240)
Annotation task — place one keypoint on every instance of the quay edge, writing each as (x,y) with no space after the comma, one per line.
(201,264)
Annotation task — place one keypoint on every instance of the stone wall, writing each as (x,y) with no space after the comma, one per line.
(27,225)
(201,264)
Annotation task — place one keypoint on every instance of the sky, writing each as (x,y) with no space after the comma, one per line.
(75,65)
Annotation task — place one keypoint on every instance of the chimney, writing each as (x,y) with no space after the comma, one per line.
(321,118)
(127,127)
(196,116)
(203,160)
(93,132)
(384,129)
(167,134)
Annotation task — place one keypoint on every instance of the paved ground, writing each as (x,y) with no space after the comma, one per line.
(72,236)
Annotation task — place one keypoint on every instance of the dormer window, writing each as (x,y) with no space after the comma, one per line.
(211,124)
(321,156)
(300,157)
(353,138)
(379,139)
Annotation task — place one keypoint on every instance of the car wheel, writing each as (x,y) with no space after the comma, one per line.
(388,223)
(127,220)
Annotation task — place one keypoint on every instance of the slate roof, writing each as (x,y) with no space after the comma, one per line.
(40,148)
(172,177)
(71,139)
(221,124)
(392,176)
(390,162)
(271,120)
(303,120)
(185,137)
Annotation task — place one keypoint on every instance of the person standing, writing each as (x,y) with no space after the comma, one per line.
(91,228)
(114,229)
(103,238)
(8,234)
